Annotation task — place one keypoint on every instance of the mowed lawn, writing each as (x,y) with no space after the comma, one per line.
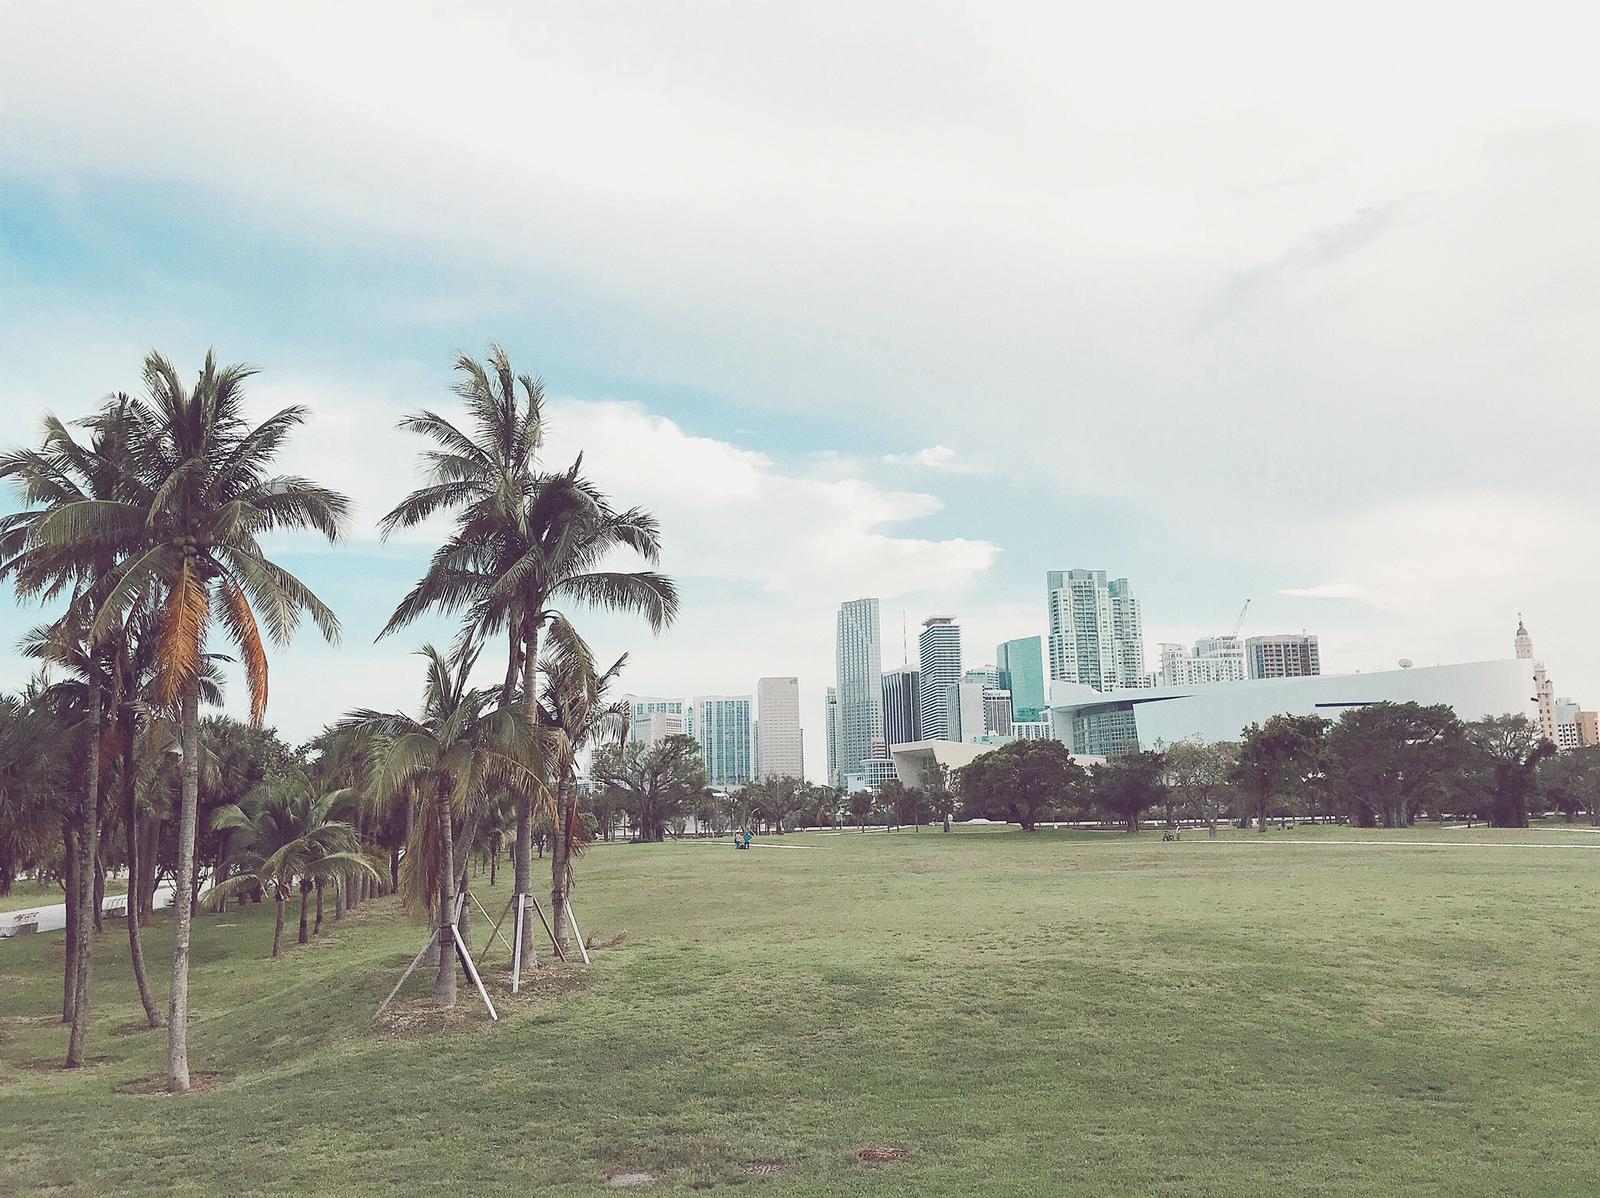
(1061,1013)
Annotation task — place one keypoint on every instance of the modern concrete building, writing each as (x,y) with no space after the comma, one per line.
(1031,730)
(939,650)
(723,728)
(778,737)
(987,675)
(1107,725)
(1021,665)
(1290,655)
(652,727)
(964,714)
(860,678)
(1096,630)
(997,711)
(901,705)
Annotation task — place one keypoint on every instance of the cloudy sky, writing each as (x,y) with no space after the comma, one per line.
(1262,301)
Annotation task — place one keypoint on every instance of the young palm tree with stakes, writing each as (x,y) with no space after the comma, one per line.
(523,542)
(463,747)
(194,497)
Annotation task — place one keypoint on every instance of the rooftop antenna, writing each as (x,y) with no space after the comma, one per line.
(905,643)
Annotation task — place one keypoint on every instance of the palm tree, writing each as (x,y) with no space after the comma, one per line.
(290,840)
(574,711)
(523,541)
(182,524)
(462,748)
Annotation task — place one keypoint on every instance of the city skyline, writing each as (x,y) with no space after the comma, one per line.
(922,430)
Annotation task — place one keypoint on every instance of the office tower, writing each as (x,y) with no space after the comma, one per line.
(1096,630)
(939,648)
(860,683)
(641,708)
(996,711)
(652,727)
(987,675)
(964,711)
(724,733)
(900,706)
(1021,666)
(830,725)
(1291,655)
(778,728)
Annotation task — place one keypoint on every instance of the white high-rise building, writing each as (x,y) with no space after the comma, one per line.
(726,739)
(900,705)
(939,647)
(860,678)
(642,707)
(1288,655)
(1214,659)
(653,727)
(965,713)
(778,743)
(1096,630)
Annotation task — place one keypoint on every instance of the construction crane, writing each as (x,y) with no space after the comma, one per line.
(1239,623)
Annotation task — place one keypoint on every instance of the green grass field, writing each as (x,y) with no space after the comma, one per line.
(1063,1013)
(26,894)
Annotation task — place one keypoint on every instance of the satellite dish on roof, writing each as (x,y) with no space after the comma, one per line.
(1405,663)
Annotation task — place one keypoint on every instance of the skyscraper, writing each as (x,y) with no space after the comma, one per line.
(940,649)
(1291,655)
(830,724)
(1021,664)
(860,667)
(901,706)
(722,724)
(778,729)
(1096,630)
(641,708)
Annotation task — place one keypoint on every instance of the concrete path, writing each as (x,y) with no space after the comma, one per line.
(54,918)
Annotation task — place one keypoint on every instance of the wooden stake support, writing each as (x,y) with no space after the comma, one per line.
(577,935)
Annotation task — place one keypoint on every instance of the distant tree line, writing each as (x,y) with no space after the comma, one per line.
(1381,765)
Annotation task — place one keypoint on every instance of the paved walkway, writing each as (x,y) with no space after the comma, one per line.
(54,918)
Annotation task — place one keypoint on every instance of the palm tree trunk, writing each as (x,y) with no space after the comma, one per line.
(338,899)
(189,805)
(277,929)
(305,893)
(88,855)
(69,989)
(558,870)
(317,928)
(150,846)
(523,850)
(130,820)
(444,981)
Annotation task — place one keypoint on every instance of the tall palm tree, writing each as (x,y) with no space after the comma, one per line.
(463,747)
(524,540)
(182,524)
(290,840)
(576,714)
(63,475)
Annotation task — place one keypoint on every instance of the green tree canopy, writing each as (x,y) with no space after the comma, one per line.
(1022,782)
(655,783)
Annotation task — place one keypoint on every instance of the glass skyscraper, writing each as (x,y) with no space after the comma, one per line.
(1021,665)
(860,666)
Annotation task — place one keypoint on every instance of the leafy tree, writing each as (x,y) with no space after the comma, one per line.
(1570,782)
(1129,785)
(655,783)
(1277,759)
(1389,757)
(861,806)
(1502,779)
(1022,782)
(1200,777)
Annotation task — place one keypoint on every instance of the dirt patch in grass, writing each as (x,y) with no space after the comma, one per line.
(57,1064)
(880,1154)
(137,1026)
(156,1084)
(419,1017)
(762,1168)
(630,1181)
(592,944)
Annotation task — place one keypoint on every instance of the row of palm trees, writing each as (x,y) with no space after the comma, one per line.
(149,531)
